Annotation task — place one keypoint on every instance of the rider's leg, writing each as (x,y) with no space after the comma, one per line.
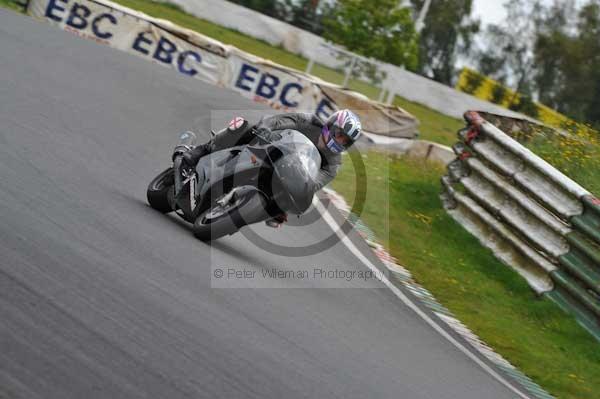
(235,134)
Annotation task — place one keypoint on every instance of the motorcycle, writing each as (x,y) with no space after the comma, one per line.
(238,186)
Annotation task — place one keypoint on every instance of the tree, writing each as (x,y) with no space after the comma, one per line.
(525,105)
(507,54)
(474,82)
(447,33)
(499,93)
(567,58)
(309,14)
(379,29)
(272,8)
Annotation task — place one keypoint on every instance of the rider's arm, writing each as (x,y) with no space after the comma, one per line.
(303,122)
(229,139)
(326,174)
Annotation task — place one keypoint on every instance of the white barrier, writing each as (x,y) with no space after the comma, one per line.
(411,86)
(201,57)
(260,26)
(529,212)
(534,218)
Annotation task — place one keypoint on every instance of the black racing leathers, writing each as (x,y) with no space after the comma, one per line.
(308,124)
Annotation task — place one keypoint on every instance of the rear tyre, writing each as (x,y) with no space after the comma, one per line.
(221,220)
(158,191)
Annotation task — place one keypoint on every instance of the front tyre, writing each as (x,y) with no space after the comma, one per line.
(158,191)
(244,208)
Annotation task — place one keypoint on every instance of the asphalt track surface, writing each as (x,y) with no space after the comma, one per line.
(102,297)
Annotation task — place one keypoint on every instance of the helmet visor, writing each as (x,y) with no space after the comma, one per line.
(337,134)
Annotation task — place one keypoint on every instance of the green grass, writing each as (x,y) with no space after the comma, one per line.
(495,302)
(11,4)
(576,155)
(434,126)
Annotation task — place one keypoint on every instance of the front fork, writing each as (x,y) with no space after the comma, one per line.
(185,199)
(177,173)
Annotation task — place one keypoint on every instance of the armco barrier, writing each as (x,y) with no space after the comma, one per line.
(201,57)
(534,218)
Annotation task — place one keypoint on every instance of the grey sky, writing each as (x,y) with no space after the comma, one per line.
(492,11)
(489,11)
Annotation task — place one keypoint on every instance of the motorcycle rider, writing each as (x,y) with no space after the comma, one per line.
(332,137)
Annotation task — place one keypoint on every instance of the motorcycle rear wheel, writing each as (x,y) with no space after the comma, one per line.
(220,221)
(158,191)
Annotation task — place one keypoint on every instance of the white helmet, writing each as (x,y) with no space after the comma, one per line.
(341,130)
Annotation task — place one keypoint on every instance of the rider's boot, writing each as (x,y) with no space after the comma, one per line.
(276,221)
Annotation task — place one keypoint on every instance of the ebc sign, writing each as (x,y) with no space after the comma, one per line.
(166,51)
(146,38)
(281,91)
(268,86)
(105,25)
(79,17)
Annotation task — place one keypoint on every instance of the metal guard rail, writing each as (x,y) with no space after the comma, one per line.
(535,219)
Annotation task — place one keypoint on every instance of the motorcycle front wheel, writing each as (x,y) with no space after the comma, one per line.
(158,191)
(224,219)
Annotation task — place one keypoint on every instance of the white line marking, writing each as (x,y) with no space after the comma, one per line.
(346,241)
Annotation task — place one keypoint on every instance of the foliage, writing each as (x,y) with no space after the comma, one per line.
(550,53)
(272,8)
(507,51)
(309,14)
(448,32)
(568,61)
(304,14)
(12,4)
(576,153)
(525,105)
(496,92)
(433,126)
(474,82)
(375,28)
(499,93)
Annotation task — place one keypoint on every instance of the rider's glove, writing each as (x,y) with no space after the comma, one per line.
(179,150)
(192,156)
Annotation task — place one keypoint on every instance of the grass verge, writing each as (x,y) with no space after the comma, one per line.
(495,302)
(577,154)
(434,126)
(12,5)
